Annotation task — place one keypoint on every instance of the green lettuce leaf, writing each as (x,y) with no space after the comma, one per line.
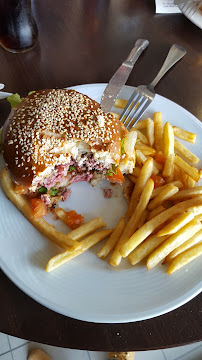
(43,190)
(71,168)
(53,192)
(14,99)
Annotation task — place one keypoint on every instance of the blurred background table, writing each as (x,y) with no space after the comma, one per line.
(85,42)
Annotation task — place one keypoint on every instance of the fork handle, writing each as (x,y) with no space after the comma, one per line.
(175,54)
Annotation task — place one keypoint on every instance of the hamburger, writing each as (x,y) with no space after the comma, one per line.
(56,137)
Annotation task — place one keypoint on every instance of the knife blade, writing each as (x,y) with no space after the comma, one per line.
(121,76)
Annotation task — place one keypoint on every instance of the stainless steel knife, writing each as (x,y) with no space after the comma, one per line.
(121,76)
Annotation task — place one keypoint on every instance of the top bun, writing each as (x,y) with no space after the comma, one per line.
(44,128)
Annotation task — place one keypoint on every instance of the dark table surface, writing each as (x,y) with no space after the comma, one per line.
(85,42)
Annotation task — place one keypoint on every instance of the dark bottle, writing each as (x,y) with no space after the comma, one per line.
(18,30)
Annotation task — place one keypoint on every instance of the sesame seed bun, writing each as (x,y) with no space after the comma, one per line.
(50,126)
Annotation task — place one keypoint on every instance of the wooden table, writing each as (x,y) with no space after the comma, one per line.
(85,42)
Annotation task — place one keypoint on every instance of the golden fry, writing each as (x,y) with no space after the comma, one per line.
(163,196)
(185,194)
(86,244)
(172,243)
(190,182)
(187,168)
(146,248)
(120,103)
(168,136)
(132,178)
(157,191)
(185,246)
(141,124)
(180,221)
(145,174)
(113,239)
(184,135)
(143,218)
(132,224)
(158,131)
(62,240)
(146,150)
(186,153)
(168,170)
(150,131)
(141,136)
(136,171)
(140,157)
(155,212)
(184,258)
(146,230)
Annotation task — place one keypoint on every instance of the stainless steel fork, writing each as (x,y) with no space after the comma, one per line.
(144,94)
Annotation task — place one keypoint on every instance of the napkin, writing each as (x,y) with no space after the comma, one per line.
(166,7)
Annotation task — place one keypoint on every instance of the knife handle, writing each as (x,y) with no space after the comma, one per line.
(140,45)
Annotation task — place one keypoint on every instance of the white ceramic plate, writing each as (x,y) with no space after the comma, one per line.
(87,288)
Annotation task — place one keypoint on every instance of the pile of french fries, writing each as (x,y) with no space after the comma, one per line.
(162,224)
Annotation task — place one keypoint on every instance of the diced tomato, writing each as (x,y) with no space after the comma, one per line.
(39,208)
(20,189)
(158,180)
(160,158)
(74,220)
(118,177)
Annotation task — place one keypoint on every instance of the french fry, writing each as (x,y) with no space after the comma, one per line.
(142,233)
(155,212)
(187,168)
(136,171)
(132,224)
(190,182)
(168,170)
(176,224)
(86,244)
(158,131)
(188,155)
(200,173)
(150,131)
(60,239)
(173,242)
(188,193)
(177,174)
(184,135)
(157,191)
(132,178)
(86,229)
(140,157)
(146,248)
(184,258)
(163,196)
(197,210)
(141,124)
(185,246)
(141,136)
(113,239)
(145,174)
(143,218)
(146,150)
(168,136)
(120,103)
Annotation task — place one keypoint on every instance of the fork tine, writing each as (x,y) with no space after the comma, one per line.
(134,106)
(130,101)
(144,108)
